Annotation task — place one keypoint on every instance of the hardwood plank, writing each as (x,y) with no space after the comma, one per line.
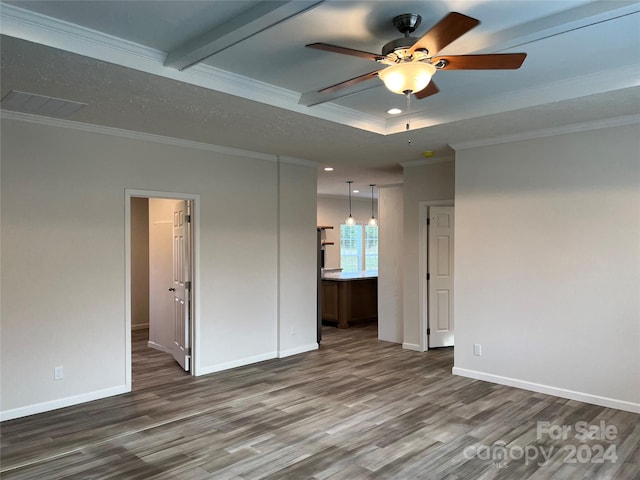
(357,408)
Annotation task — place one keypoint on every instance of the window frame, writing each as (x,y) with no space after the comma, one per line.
(364,253)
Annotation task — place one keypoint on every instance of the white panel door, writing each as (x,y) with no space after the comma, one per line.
(440,277)
(181,282)
(160,274)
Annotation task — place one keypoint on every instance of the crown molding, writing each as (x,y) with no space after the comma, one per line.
(427,161)
(298,161)
(574,18)
(360,198)
(35,27)
(615,78)
(130,134)
(550,132)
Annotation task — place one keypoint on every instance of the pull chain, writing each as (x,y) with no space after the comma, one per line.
(408,126)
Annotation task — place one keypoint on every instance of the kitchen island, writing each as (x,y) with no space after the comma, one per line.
(349,297)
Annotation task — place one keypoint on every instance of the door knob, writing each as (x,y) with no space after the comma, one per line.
(172,289)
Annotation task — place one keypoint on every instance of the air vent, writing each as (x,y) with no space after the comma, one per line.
(40,104)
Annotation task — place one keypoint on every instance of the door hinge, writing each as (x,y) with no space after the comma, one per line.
(187,218)
(187,285)
(428,276)
(428,331)
(187,351)
(428,220)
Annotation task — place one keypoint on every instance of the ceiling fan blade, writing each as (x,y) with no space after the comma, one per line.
(495,61)
(349,83)
(430,89)
(345,51)
(450,28)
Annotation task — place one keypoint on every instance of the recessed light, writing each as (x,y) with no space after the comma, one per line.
(356,191)
(394,111)
(328,169)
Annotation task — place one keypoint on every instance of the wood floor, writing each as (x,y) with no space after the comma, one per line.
(355,409)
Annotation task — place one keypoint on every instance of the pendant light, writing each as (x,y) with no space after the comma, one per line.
(372,221)
(350,221)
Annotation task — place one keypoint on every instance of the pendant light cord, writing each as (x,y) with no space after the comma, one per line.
(350,220)
(372,221)
(372,200)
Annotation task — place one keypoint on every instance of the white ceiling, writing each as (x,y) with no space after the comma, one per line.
(583,65)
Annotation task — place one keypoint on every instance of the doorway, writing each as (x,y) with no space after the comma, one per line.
(437,274)
(161,279)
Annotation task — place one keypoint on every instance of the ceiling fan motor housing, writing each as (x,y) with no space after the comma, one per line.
(403,43)
(406,24)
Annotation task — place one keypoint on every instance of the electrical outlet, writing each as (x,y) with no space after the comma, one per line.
(58,373)
(477,349)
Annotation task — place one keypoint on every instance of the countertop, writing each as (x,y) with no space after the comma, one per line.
(342,276)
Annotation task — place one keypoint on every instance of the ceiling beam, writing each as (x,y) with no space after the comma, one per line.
(583,15)
(256,19)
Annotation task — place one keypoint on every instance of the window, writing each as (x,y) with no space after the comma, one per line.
(371,247)
(358,248)
(351,248)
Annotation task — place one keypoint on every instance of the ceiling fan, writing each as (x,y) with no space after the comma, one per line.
(411,61)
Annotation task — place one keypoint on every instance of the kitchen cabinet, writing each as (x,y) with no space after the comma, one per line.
(349,297)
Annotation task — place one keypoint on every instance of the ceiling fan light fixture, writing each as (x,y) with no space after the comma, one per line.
(407,77)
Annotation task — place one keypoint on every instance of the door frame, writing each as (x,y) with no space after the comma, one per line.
(195,318)
(423,256)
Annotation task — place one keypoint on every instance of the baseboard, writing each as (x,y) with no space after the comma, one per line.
(297,350)
(412,346)
(140,326)
(157,346)
(558,392)
(235,363)
(61,403)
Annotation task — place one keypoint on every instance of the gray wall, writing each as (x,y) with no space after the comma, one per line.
(548,265)
(297,259)
(421,183)
(390,321)
(63,256)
